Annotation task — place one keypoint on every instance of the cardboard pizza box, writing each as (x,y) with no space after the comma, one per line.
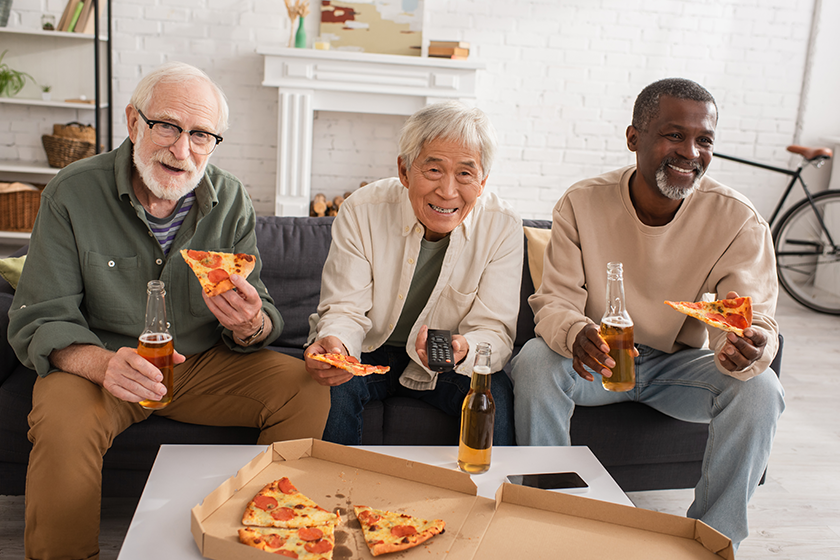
(336,478)
(585,528)
(545,524)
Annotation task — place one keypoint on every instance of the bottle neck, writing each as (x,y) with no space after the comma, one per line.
(615,306)
(155,312)
(480,381)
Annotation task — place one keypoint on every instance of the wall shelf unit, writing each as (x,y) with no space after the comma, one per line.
(78,67)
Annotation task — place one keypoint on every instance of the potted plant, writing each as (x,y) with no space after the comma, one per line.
(45,93)
(11,81)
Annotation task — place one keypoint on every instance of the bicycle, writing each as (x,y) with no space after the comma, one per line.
(806,236)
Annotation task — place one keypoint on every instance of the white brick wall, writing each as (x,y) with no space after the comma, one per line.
(560,83)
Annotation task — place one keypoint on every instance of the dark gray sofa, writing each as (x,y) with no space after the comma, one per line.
(641,448)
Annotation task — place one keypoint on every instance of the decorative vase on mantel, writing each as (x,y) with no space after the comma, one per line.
(300,36)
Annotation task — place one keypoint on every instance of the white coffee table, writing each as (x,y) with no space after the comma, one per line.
(184,474)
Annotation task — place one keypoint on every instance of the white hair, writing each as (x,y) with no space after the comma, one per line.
(175,73)
(449,120)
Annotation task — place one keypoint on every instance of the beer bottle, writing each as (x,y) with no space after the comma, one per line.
(156,342)
(477,416)
(617,332)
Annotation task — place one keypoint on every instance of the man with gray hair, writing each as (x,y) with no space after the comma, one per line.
(106,227)
(429,249)
(679,235)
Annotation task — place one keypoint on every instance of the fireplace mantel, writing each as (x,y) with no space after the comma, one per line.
(313,80)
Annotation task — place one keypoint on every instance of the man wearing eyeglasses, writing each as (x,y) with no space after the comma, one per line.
(108,225)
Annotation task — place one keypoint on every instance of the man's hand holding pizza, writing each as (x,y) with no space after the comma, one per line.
(239,310)
(741,352)
(324,373)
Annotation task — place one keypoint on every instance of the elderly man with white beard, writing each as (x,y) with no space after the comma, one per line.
(679,235)
(106,227)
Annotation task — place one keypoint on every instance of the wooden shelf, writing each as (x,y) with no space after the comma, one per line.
(62,34)
(14,236)
(42,103)
(33,167)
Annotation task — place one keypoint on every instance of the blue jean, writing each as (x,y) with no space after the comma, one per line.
(344,424)
(686,385)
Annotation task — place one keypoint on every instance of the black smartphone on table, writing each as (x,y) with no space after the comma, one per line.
(568,481)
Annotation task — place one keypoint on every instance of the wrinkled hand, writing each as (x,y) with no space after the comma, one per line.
(325,374)
(460,346)
(741,352)
(590,350)
(130,377)
(238,310)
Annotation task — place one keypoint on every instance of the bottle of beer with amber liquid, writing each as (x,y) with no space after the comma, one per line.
(477,416)
(156,342)
(617,332)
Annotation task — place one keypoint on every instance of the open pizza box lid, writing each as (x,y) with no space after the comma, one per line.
(337,477)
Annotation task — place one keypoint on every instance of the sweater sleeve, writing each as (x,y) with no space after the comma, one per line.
(560,301)
(748,267)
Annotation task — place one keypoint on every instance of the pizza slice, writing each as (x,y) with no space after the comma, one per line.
(213,269)
(279,504)
(733,315)
(386,531)
(306,543)
(348,363)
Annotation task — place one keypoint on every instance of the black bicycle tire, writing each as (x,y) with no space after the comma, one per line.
(798,210)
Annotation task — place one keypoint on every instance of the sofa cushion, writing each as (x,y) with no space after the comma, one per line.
(537,240)
(293,251)
(11,268)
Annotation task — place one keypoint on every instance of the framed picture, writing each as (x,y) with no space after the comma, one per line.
(373,26)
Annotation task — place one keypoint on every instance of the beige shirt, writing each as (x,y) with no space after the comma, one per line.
(375,242)
(716,243)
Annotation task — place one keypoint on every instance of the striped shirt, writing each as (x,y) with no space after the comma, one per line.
(166,228)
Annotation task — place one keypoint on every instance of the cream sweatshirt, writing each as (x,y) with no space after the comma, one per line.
(716,243)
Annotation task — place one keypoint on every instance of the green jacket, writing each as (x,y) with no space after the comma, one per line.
(92,252)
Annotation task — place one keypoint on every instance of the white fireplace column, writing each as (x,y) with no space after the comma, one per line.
(312,80)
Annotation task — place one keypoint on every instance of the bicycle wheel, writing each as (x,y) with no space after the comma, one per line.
(808,261)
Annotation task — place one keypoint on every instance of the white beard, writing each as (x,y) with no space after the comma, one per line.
(176,187)
(671,191)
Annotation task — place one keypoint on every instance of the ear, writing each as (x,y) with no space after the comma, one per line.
(403,172)
(632,138)
(131,119)
(483,182)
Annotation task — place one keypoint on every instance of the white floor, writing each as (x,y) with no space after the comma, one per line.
(795,515)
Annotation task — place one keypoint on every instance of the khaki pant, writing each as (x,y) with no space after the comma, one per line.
(73,423)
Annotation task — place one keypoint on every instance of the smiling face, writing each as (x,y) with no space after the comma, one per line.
(170,173)
(675,150)
(444,183)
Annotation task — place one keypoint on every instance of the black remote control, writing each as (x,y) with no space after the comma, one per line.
(439,350)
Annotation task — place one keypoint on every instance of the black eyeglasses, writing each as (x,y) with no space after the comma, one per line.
(165,134)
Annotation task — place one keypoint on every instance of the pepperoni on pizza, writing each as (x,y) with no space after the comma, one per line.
(214,269)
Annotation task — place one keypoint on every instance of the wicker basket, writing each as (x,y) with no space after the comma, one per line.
(64,151)
(75,130)
(18,210)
